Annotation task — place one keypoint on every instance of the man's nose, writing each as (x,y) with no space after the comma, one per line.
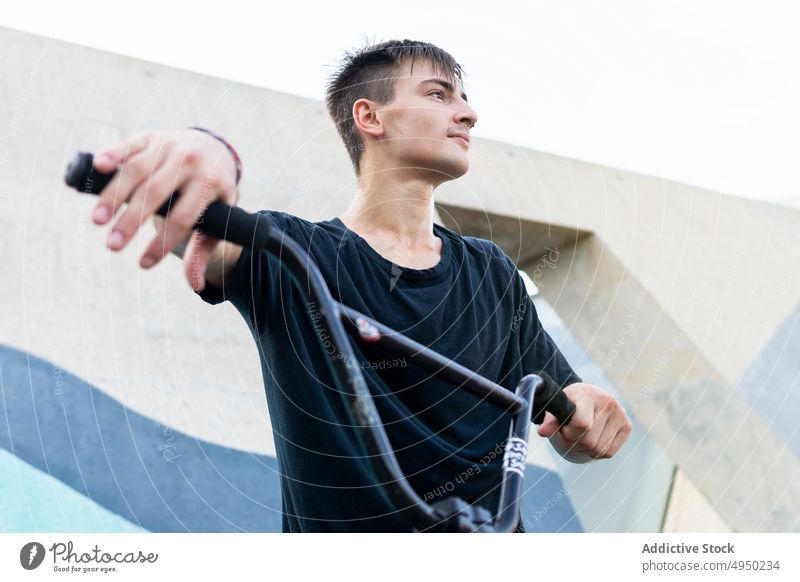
(467,115)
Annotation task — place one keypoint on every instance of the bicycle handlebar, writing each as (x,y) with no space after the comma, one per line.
(220,220)
(535,394)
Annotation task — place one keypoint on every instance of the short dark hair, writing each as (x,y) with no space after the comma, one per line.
(370,73)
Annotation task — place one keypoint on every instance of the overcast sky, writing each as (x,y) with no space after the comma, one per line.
(702,92)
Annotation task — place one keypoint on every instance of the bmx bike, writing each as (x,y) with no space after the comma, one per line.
(534,395)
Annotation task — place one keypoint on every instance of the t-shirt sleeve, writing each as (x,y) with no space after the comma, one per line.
(537,349)
(232,283)
(251,283)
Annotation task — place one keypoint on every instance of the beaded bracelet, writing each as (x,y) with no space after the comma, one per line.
(235,155)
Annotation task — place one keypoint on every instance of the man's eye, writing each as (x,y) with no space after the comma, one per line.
(440,93)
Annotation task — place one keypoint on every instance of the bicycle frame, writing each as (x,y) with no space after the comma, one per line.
(535,393)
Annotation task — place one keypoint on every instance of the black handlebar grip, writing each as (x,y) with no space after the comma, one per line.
(550,397)
(219,220)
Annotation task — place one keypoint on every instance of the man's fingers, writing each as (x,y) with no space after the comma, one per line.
(110,158)
(597,430)
(581,423)
(148,197)
(614,420)
(603,438)
(624,429)
(135,164)
(179,221)
(550,425)
(195,260)
(618,441)
(150,167)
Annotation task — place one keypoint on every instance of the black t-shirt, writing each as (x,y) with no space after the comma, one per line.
(471,307)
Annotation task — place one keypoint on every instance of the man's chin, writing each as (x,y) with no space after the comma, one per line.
(456,170)
(449,169)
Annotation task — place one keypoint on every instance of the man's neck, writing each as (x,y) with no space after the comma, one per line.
(399,212)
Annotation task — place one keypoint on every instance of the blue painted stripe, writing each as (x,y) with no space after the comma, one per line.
(79,453)
(150,475)
(33,501)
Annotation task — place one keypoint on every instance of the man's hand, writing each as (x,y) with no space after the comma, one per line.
(153,165)
(597,430)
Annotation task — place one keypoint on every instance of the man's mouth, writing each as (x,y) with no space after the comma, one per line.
(462,138)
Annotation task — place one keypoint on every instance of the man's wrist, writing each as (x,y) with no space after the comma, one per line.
(231,149)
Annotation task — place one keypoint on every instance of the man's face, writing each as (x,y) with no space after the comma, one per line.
(426,123)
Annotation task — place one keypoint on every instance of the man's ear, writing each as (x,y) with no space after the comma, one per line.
(367,117)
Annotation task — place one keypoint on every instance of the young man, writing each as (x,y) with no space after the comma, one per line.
(405,121)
